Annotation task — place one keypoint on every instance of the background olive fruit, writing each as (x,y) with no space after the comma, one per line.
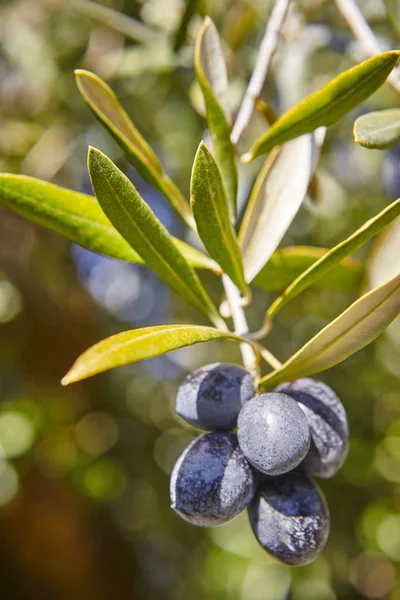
(328,425)
(212,396)
(211,482)
(289,518)
(273,433)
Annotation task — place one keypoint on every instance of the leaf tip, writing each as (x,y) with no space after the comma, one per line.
(80,76)
(66,380)
(74,374)
(247,157)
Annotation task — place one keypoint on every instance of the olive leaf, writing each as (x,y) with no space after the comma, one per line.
(335,255)
(329,104)
(107,108)
(275,199)
(79,218)
(210,209)
(286,264)
(384,258)
(131,28)
(379,129)
(393,11)
(141,344)
(212,77)
(136,222)
(353,329)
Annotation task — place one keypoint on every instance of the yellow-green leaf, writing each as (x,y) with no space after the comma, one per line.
(212,77)
(384,258)
(329,104)
(356,327)
(335,255)
(286,264)
(274,201)
(379,129)
(141,344)
(79,218)
(210,209)
(136,222)
(107,108)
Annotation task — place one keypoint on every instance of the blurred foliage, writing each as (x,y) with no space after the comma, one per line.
(84,502)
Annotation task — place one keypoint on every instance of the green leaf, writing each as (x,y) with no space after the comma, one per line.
(356,327)
(210,209)
(384,258)
(136,222)
(115,20)
(334,256)
(274,201)
(106,107)
(79,218)
(212,77)
(380,129)
(286,264)
(329,104)
(141,344)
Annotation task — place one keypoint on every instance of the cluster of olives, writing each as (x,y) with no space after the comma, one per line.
(300,428)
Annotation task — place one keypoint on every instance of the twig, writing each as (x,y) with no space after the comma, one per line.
(364,34)
(256,83)
(240,322)
(252,94)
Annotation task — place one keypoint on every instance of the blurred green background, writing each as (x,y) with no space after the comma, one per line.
(84,471)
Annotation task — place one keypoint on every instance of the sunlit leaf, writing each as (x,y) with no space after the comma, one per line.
(335,255)
(380,129)
(356,327)
(141,344)
(210,209)
(107,108)
(136,222)
(329,104)
(211,74)
(286,264)
(275,199)
(384,259)
(79,218)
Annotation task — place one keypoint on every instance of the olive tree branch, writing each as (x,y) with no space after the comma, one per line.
(252,94)
(257,79)
(239,322)
(364,34)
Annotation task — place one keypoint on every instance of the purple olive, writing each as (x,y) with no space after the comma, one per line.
(328,425)
(273,433)
(290,518)
(212,396)
(211,482)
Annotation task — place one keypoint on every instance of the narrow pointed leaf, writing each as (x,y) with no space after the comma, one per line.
(107,108)
(393,11)
(140,344)
(286,264)
(334,256)
(210,209)
(276,197)
(135,30)
(79,218)
(379,129)
(356,327)
(329,104)
(384,259)
(212,77)
(136,222)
